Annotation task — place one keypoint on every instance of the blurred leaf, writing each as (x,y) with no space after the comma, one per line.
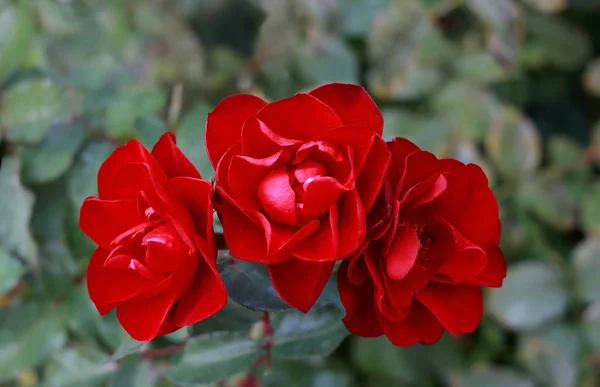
(533,293)
(29,109)
(16,203)
(52,157)
(212,357)
(11,271)
(586,261)
(133,372)
(358,15)
(466,109)
(591,325)
(555,42)
(298,374)
(405,49)
(123,112)
(591,78)
(565,153)
(317,333)
(58,18)
(233,317)
(427,131)
(590,211)
(551,203)
(28,335)
(17,31)
(548,6)
(148,130)
(249,284)
(514,144)
(190,138)
(127,347)
(551,356)
(328,59)
(480,67)
(84,366)
(81,181)
(492,377)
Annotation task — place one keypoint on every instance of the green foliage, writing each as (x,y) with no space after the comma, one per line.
(512,85)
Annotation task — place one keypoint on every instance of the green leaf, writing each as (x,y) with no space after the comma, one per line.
(249,284)
(298,374)
(233,317)
(533,293)
(514,144)
(11,271)
(148,130)
(16,203)
(590,211)
(547,6)
(551,356)
(357,15)
(591,78)
(317,333)
(551,203)
(123,112)
(133,372)
(190,139)
(29,109)
(52,157)
(28,335)
(81,181)
(492,377)
(17,31)
(75,367)
(127,347)
(586,262)
(427,131)
(214,356)
(331,61)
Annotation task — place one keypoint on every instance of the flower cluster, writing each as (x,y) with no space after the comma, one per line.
(301,184)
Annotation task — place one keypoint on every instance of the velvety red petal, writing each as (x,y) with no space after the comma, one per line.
(381,215)
(419,167)
(403,252)
(259,141)
(397,295)
(495,269)
(281,238)
(400,149)
(172,160)
(320,193)
(245,240)
(224,123)
(164,251)
(104,220)
(358,301)
(205,297)
(300,117)
(323,244)
(109,287)
(352,104)
(357,271)
(359,138)
(423,193)
(300,283)
(420,325)
(132,152)
(371,177)
(400,333)
(277,197)
(246,173)
(351,224)
(335,161)
(458,308)
(222,172)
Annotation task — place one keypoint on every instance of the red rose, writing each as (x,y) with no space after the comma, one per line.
(295,178)
(156,260)
(435,233)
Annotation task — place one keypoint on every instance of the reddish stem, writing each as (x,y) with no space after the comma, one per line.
(163,351)
(268,335)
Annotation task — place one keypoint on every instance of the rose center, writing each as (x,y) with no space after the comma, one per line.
(425,244)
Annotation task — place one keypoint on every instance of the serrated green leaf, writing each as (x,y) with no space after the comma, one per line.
(248,284)
(213,356)
(29,109)
(16,203)
(11,271)
(78,367)
(317,333)
(533,293)
(233,317)
(28,336)
(52,157)
(17,31)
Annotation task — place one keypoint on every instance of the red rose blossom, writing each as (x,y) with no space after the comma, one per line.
(294,180)
(156,260)
(434,242)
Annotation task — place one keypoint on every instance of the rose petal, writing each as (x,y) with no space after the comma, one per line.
(357,271)
(399,294)
(282,238)
(495,269)
(351,224)
(277,197)
(458,308)
(359,138)
(371,177)
(400,149)
(403,252)
(322,245)
(104,220)
(300,283)
(419,167)
(420,326)
(334,160)
(358,301)
(224,123)
(423,193)
(164,251)
(300,117)
(172,160)
(320,193)
(352,104)
(259,141)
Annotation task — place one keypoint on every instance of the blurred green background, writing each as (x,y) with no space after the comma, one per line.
(513,85)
